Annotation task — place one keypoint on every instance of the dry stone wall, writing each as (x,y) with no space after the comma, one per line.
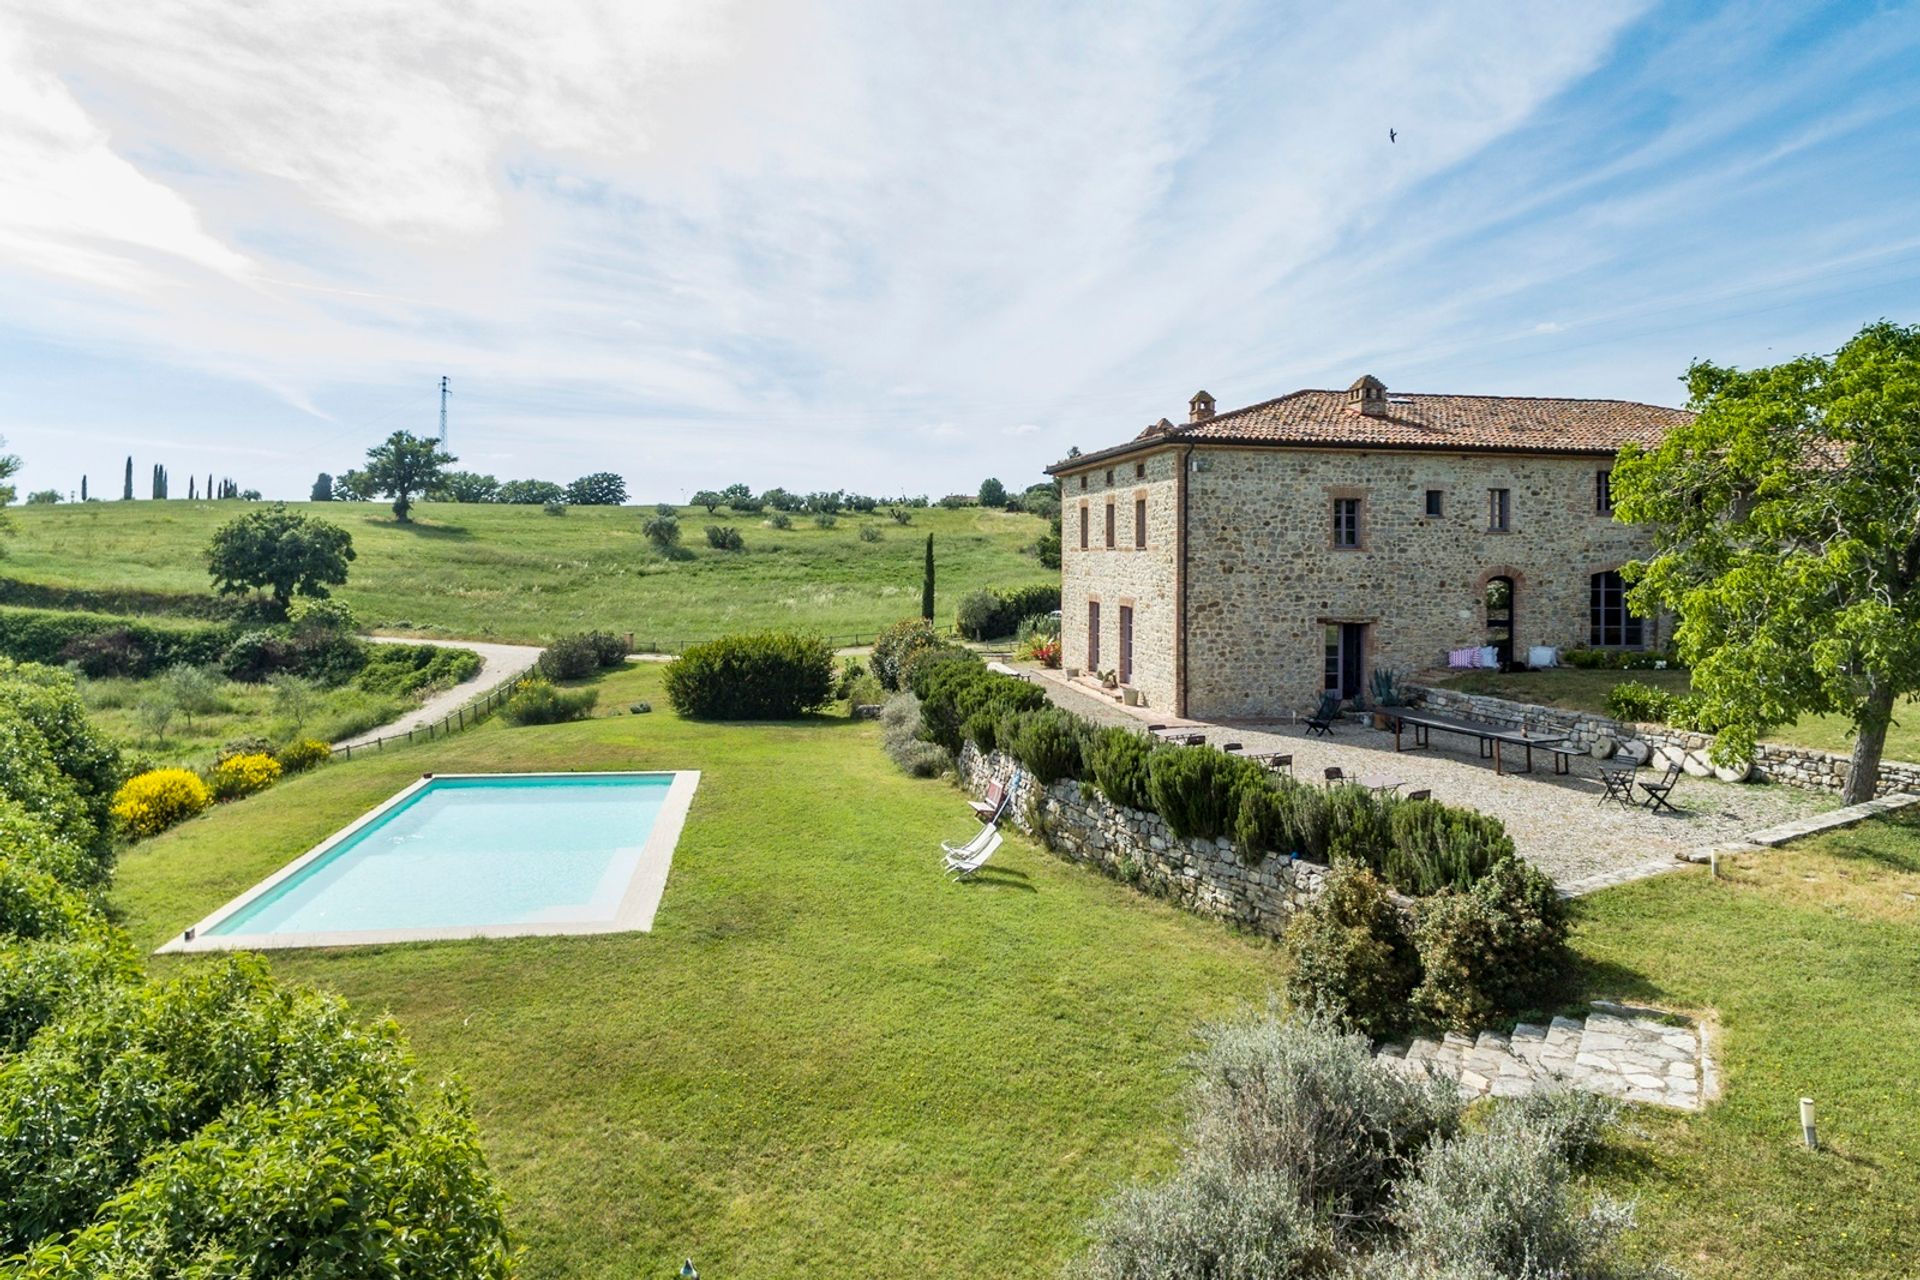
(1800,767)
(1204,876)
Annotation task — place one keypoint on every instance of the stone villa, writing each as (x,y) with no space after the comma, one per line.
(1240,563)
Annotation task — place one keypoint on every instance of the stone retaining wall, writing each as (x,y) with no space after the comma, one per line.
(1800,767)
(1204,876)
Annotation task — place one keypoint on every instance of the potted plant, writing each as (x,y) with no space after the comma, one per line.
(1388,689)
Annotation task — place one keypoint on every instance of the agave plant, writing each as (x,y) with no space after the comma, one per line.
(1385,685)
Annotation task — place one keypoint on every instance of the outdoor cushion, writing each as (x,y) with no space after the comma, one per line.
(1489,656)
(1543,655)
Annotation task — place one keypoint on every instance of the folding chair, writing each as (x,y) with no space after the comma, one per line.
(1619,786)
(1657,792)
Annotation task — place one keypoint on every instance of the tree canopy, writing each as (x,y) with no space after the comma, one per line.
(601,489)
(992,493)
(1786,522)
(405,464)
(283,551)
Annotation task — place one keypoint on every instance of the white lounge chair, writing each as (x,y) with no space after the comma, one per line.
(959,868)
(962,851)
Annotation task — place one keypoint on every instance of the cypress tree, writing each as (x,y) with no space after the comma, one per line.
(191,493)
(926,584)
(322,489)
(126,489)
(83,488)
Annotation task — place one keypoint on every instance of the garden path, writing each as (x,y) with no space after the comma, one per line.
(499,663)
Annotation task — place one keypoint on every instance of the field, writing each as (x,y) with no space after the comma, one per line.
(514,573)
(243,711)
(1579,690)
(824,1060)
(1810,955)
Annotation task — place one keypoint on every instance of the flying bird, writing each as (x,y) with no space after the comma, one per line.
(1392,136)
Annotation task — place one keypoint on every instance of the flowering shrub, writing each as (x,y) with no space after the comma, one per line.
(149,803)
(243,775)
(297,757)
(1046,652)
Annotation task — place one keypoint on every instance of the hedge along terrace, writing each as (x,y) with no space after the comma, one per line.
(220,1123)
(994,615)
(1428,909)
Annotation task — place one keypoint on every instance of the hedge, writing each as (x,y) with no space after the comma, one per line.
(760,675)
(45,635)
(989,615)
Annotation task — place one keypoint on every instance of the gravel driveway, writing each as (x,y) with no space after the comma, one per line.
(499,663)
(1557,822)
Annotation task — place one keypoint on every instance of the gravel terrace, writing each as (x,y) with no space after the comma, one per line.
(1557,822)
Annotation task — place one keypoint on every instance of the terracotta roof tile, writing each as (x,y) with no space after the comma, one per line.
(1506,424)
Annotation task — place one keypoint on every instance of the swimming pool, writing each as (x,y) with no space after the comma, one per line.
(472,855)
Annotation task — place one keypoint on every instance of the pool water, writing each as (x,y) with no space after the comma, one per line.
(470,852)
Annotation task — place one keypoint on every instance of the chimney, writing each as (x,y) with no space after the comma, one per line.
(1367,395)
(1200,408)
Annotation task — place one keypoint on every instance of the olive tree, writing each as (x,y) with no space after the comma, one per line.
(1786,523)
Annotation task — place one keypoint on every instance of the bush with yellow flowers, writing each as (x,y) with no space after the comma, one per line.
(150,802)
(242,775)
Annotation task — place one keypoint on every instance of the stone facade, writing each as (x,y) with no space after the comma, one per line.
(1262,580)
(1140,579)
(1800,767)
(1203,876)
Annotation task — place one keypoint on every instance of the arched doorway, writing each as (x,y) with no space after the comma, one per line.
(1500,619)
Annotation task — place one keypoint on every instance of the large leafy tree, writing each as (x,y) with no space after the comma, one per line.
(1786,520)
(467,486)
(287,553)
(405,464)
(601,489)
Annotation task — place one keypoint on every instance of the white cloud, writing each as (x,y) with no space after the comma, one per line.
(824,238)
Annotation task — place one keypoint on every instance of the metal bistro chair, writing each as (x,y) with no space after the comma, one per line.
(1321,721)
(1619,786)
(1280,764)
(1422,794)
(1657,792)
(1334,773)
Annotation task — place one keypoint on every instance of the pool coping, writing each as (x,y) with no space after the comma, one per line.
(635,913)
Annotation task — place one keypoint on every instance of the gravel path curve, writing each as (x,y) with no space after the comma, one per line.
(499,663)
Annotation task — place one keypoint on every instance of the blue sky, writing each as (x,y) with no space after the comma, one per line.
(899,248)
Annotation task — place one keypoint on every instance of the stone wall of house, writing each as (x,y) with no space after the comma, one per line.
(1772,762)
(1204,876)
(1139,578)
(1265,580)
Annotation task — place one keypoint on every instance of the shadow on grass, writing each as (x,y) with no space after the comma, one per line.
(424,529)
(1607,980)
(1000,878)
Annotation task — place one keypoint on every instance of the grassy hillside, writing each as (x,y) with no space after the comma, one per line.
(518,574)
(825,1060)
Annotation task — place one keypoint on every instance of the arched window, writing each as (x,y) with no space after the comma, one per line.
(1610,623)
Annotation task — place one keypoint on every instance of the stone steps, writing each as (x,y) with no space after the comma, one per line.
(1636,1055)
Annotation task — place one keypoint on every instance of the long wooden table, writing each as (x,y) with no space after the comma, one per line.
(1490,736)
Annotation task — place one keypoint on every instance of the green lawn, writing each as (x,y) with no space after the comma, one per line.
(513,573)
(245,711)
(1810,955)
(823,1061)
(1579,690)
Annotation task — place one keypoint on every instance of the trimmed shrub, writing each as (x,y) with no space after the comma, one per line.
(1349,957)
(1358,828)
(1193,788)
(149,803)
(923,659)
(900,738)
(1046,741)
(1117,764)
(241,775)
(1436,846)
(536,701)
(989,615)
(1208,1219)
(1497,948)
(961,698)
(725,538)
(303,754)
(760,675)
(577,656)
(896,644)
(1635,701)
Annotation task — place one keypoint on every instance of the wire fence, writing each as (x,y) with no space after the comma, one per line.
(453,722)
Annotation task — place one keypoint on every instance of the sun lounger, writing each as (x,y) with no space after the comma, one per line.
(959,868)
